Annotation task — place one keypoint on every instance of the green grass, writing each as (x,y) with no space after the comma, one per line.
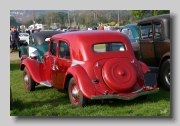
(99,46)
(46,101)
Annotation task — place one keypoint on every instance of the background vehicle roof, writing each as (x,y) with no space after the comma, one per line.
(81,42)
(158,17)
(133,28)
(39,37)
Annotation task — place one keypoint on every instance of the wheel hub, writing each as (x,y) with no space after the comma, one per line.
(167,77)
(26,79)
(75,93)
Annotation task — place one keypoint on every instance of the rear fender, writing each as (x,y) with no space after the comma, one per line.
(144,67)
(35,68)
(83,81)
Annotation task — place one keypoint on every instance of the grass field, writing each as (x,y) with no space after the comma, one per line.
(46,101)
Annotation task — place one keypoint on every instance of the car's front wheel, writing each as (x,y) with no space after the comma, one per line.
(165,74)
(75,95)
(29,83)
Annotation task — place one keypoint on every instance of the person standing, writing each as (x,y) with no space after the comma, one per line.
(27,30)
(108,27)
(105,27)
(14,38)
(101,27)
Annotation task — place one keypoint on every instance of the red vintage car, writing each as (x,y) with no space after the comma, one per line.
(90,65)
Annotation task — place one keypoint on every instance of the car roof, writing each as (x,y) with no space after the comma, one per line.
(81,42)
(90,35)
(39,37)
(158,17)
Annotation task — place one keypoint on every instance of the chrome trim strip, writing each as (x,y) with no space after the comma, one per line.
(76,62)
(138,90)
(110,96)
(45,83)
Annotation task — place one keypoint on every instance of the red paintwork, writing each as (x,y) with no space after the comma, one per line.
(35,68)
(113,78)
(119,74)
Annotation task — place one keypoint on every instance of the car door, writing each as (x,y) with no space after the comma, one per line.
(49,61)
(162,46)
(147,44)
(63,62)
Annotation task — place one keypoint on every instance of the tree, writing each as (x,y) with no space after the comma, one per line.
(40,19)
(159,12)
(28,23)
(62,18)
(13,21)
(139,14)
(53,17)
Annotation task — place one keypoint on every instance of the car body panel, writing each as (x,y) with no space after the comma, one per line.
(154,43)
(90,66)
(152,50)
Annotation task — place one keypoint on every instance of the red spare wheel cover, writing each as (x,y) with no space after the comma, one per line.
(119,74)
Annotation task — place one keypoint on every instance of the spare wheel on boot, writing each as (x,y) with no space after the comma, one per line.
(119,74)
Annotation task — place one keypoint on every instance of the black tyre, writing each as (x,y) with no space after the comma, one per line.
(165,74)
(29,83)
(75,95)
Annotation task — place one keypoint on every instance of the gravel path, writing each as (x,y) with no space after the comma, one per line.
(14,56)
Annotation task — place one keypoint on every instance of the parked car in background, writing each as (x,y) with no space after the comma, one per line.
(153,47)
(71,30)
(64,28)
(23,38)
(116,28)
(90,65)
(132,31)
(38,45)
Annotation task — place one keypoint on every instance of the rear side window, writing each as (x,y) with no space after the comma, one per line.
(109,47)
(158,31)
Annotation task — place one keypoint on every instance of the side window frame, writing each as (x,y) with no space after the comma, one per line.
(158,33)
(53,46)
(149,32)
(64,50)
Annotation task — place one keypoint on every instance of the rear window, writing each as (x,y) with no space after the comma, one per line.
(109,47)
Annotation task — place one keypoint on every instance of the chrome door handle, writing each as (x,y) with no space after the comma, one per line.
(57,67)
(53,67)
